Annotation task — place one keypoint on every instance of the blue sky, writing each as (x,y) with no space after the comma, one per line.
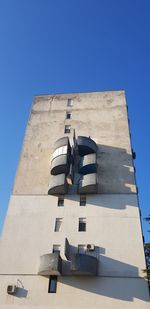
(57,46)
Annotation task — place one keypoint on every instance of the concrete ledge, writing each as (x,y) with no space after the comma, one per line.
(60,165)
(58,185)
(88,184)
(50,264)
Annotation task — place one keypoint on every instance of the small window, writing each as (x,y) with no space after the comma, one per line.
(67,129)
(82,200)
(70,102)
(60,201)
(82,224)
(56,248)
(68,115)
(58,224)
(52,284)
(81,249)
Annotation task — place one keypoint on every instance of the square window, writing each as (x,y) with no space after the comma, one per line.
(68,115)
(60,201)
(82,225)
(69,102)
(67,129)
(82,200)
(52,284)
(58,224)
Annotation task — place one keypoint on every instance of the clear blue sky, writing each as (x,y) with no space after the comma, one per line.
(56,46)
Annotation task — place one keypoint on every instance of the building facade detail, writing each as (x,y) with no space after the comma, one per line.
(74,166)
(72,236)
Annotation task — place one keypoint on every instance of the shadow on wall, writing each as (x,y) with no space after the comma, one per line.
(114,170)
(21,292)
(121,289)
(116,280)
(112,201)
(114,176)
(107,266)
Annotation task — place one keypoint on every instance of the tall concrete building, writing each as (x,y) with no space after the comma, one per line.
(72,237)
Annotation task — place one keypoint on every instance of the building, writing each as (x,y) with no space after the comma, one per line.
(72,237)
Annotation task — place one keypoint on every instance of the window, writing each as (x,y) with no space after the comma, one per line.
(81,249)
(56,248)
(67,129)
(70,102)
(68,115)
(60,201)
(82,224)
(58,224)
(52,284)
(82,200)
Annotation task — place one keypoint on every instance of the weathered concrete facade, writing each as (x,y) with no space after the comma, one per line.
(112,214)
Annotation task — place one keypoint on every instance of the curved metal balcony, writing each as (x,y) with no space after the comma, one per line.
(58,185)
(62,147)
(88,184)
(86,145)
(60,165)
(50,264)
(63,141)
(88,164)
(60,152)
(82,264)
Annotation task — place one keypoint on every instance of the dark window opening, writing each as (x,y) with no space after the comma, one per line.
(68,115)
(67,129)
(52,284)
(82,225)
(60,201)
(82,200)
(58,224)
(56,248)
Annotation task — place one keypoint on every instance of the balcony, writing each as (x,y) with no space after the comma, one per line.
(88,185)
(58,185)
(50,264)
(60,165)
(63,141)
(82,264)
(86,145)
(88,164)
(60,152)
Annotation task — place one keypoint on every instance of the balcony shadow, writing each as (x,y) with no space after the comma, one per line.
(110,201)
(114,170)
(114,176)
(116,280)
(115,288)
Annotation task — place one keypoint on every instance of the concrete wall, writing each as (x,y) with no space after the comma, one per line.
(112,225)
(100,115)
